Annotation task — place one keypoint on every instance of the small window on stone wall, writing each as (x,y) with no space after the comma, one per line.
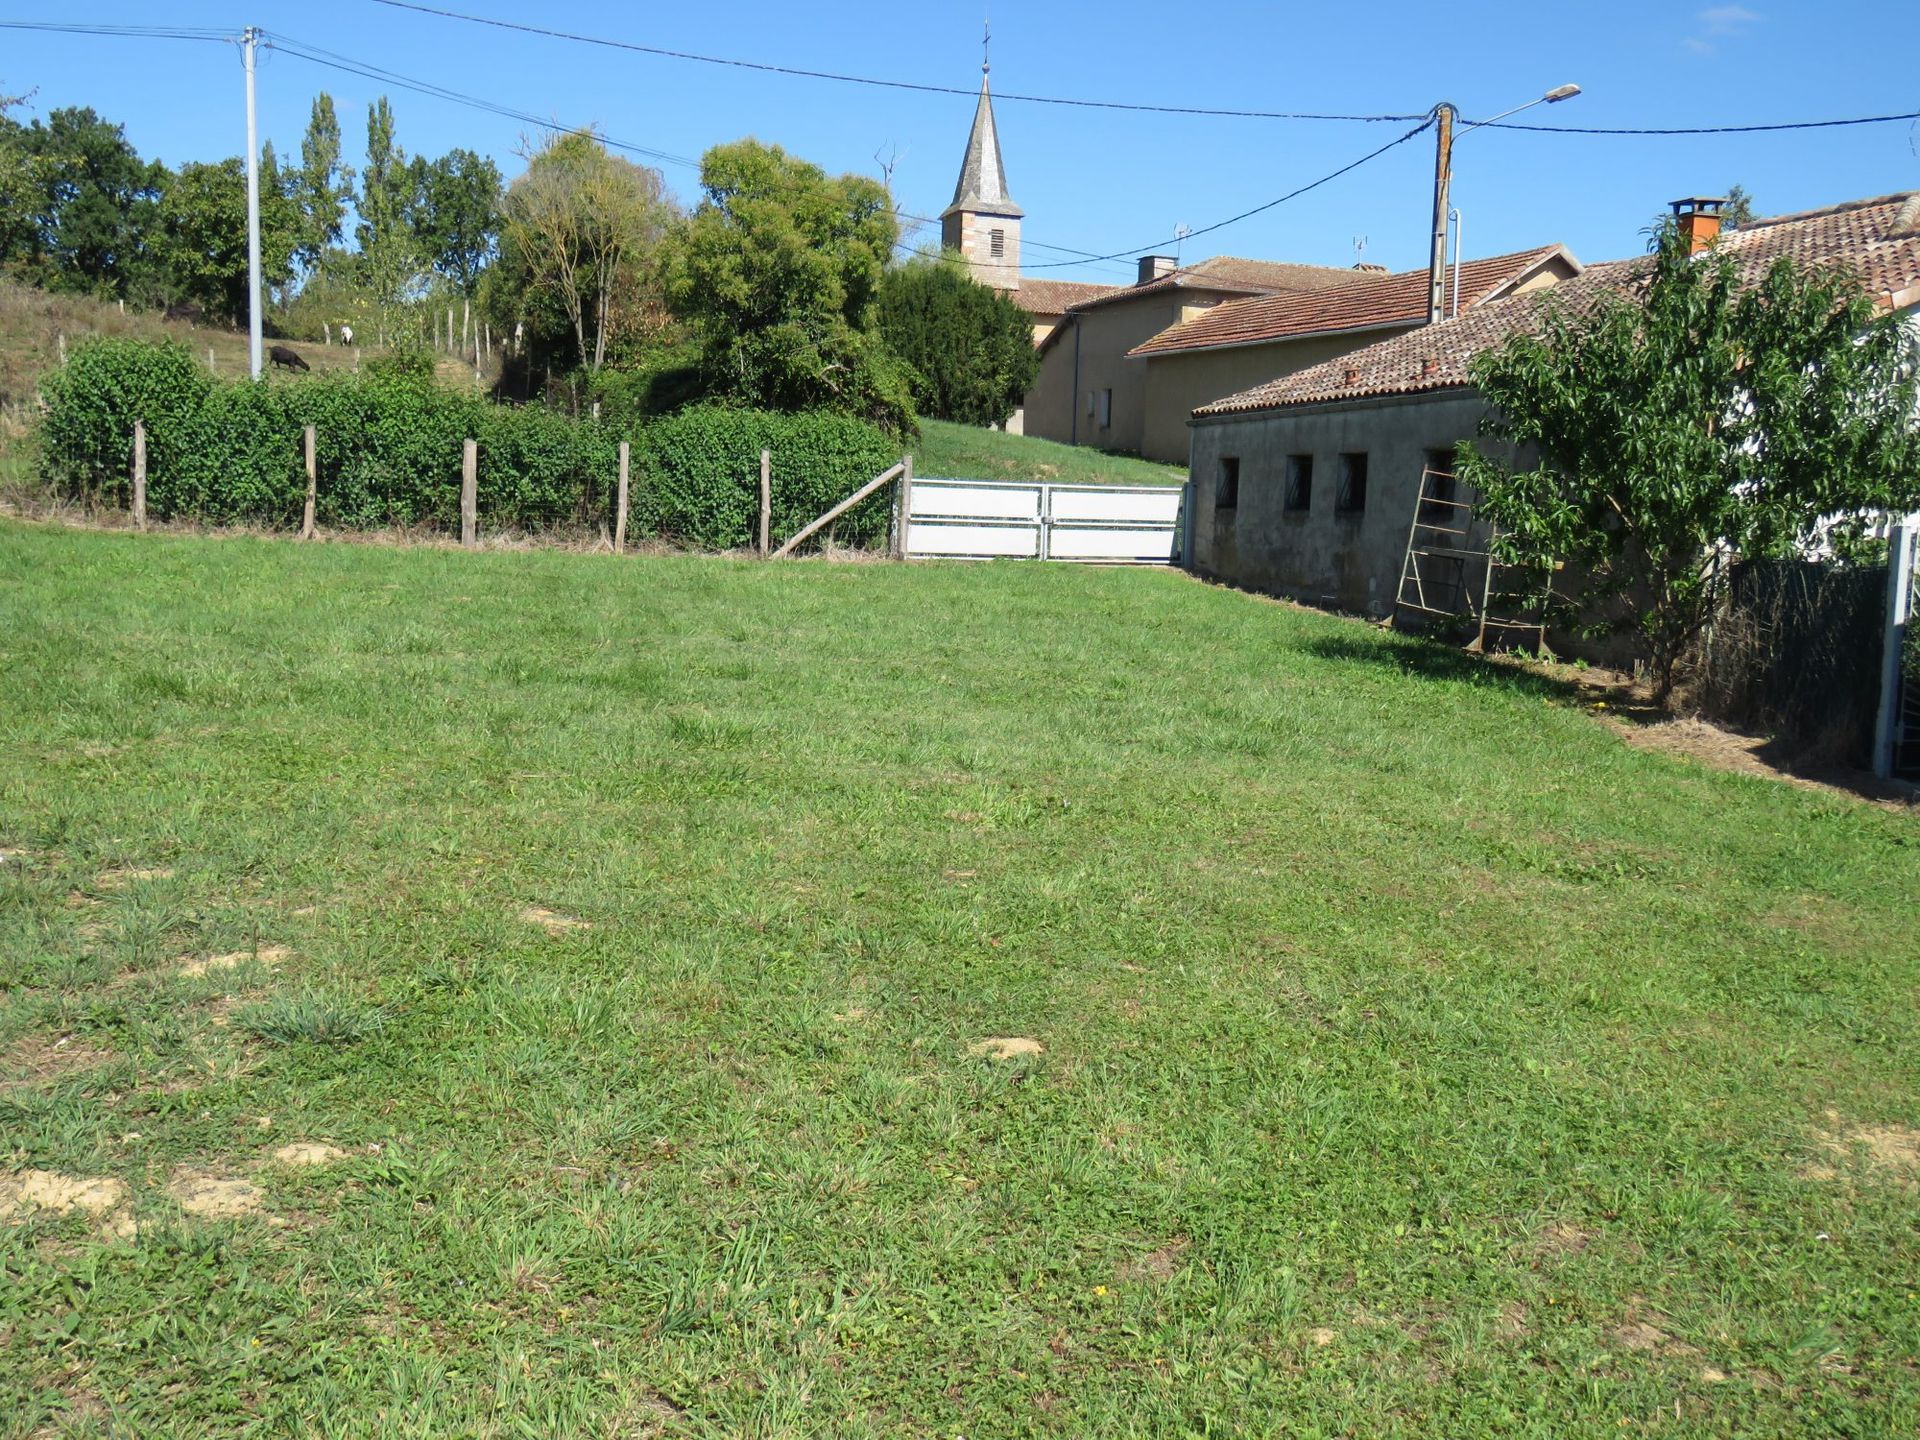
(1227,496)
(1299,496)
(997,242)
(1351,497)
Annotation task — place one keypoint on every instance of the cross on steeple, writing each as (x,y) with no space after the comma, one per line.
(986,42)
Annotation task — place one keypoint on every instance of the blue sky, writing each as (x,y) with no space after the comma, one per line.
(1092,180)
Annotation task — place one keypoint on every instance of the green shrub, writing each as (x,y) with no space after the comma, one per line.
(106,385)
(703,474)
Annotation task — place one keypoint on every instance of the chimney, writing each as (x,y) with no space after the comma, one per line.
(1699,219)
(1352,375)
(1156,267)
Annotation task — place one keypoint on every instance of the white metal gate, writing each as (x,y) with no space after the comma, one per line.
(986,519)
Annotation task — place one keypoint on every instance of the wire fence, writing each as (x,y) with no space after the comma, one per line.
(1796,655)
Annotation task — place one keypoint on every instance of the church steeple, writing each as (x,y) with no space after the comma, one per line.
(983,223)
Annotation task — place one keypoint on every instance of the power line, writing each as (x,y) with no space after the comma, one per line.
(886,84)
(1256,210)
(129,32)
(1694,129)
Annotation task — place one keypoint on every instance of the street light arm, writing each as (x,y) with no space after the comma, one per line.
(1552,97)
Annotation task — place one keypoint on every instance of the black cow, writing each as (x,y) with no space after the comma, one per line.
(282,355)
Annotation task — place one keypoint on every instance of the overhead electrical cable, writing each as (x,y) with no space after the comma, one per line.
(874,80)
(1690,129)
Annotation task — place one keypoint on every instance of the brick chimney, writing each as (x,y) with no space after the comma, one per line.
(1699,220)
(1156,267)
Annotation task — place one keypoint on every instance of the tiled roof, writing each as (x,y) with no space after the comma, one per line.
(1054,297)
(1230,272)
(1877,239)
(982,185)
(1368,300)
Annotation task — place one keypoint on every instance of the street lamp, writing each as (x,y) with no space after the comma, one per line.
(1444,115)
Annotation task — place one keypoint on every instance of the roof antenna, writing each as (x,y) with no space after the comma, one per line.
(1180,233)
(1359,251)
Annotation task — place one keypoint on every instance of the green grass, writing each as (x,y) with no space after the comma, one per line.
(1418,1059)
(967,453)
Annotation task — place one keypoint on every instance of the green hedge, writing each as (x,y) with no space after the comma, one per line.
(703,474)
(389,444)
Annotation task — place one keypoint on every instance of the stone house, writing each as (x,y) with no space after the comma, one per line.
(1305,486)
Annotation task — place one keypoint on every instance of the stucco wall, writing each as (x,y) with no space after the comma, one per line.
(1179,384)
(1347,562)
(1057,409)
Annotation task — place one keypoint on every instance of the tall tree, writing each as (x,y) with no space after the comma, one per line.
(455,217)
(203,235)
(582,224)
(93,204)
(1697,423)
(778,270)
(22,180)
(384,230)
(968,347)
(323,186)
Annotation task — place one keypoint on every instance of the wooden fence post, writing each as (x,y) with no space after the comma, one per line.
(140,474)
(469,494)
(211,366)
(620,504)
(313,480)
(61,340)
(905,512)
(886,476)
(766,501)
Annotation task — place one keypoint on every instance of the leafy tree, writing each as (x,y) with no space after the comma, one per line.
(385,204)
(22,181)
(582,226)
(969,347)
(1695,423)
(1738,209)
(93,202)
(203,234)
(322,186)
(778,271)
(455,215)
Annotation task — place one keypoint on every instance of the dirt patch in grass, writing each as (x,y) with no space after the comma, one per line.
(552,921)
(270,956)
(1005,1047)
(1640,1333)
(101,1198)
(1722,749)
(213,1197)
(1157,1266)
(308,1152)
(1563,1237)
(36,1059)
(1892,1149)
(117,879)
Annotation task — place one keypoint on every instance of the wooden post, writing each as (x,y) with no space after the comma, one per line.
(211,366)
(61,338)
(470,494)
(766,500)
(326,327)
(140,474)
(620,504)
(313,480)
(452,349)
(466,311)
(905,503)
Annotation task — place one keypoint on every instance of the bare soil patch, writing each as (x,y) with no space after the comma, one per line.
(1894,1148)
(36,1059)
(119,878)
(213,1197)
(1158,1265)
(552,921)
(1005,1047)
(269,955)
(1563,1237)
(308,1152)
(102,1198)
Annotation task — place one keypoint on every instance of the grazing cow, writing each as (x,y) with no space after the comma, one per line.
(346,334)
(281,355)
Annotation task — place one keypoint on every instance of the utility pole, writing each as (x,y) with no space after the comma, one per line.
(1443,116)
(249,41)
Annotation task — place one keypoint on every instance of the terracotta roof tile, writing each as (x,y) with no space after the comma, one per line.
(1054,297)
(1231,273)
(1368,300)
(1877,239)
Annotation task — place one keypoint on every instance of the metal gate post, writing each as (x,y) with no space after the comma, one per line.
(1900,549)
(1046,521)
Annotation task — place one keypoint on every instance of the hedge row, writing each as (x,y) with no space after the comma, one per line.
(388,452)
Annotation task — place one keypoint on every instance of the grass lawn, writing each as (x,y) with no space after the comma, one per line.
(1411,1057)
(965,452)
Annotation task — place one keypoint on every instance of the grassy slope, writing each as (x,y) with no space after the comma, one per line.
(1419,1060)
(964,452)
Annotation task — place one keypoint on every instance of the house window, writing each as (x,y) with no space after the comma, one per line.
(1299,492)
(997,242)
(1351,496)
(1103,413)
(1227,495)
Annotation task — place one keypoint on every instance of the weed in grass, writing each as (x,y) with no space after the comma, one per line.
(311,1019)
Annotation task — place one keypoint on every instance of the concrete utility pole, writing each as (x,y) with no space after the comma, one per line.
(249,41)
(1443,116)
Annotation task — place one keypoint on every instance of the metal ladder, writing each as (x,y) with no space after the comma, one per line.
(1442,564)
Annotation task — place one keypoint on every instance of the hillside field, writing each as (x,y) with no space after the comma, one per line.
(528,993)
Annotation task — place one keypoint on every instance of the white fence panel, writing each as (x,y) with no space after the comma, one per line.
(1117,524)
